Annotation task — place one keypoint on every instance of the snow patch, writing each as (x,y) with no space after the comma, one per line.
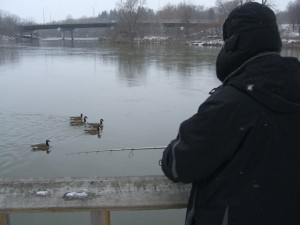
(76,195)
(42,193)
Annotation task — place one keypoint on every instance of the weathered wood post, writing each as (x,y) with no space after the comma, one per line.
(100,217)
(4,219)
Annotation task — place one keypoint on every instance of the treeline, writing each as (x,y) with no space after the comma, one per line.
(131,13)
(190,12)
(8,23)
(181,11)
(291,15)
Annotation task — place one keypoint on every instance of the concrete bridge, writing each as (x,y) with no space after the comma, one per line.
(71,27)
(64,27)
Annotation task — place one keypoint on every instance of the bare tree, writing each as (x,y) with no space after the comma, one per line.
(186,12)
(168,12)
(130,14)
(225,7)
(9,24)
(245,1)
(294,14)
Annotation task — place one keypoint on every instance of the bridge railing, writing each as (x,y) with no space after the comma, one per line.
(68,26)
(99,195)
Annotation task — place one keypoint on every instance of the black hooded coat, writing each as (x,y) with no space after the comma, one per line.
(241,150)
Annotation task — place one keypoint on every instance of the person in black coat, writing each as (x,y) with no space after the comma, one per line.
(241,150)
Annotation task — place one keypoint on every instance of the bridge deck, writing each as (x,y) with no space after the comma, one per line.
(109,24)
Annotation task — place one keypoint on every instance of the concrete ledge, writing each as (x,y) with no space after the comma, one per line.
(91,193)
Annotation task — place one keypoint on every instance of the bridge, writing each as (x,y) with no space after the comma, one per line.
(63,27)
(72,26)
(66,26)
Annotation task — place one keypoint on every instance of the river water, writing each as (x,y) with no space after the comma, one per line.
(141,93)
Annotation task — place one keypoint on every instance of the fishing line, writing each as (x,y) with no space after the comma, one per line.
(119,150)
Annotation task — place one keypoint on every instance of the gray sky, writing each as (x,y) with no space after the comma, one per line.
(37,10)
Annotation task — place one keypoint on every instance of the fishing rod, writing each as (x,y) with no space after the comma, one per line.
(118,150)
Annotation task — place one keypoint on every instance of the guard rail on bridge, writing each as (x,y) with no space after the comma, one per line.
(66,26)
(109,24)
(99,195)
(72,26)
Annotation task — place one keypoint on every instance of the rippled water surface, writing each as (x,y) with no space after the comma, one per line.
(142,93)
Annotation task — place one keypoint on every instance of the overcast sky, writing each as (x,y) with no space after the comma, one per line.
(38,10)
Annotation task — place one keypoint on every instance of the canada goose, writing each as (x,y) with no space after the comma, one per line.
(41,146)
(95,125)
(76,117)
(93,130)
(79,122)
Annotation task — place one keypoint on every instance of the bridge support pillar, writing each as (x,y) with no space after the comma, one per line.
(72,34)
(62,35)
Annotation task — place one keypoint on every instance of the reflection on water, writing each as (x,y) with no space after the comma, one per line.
(293,52)
(8,55)
(142,93)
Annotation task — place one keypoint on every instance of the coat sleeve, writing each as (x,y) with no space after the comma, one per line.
(204,143)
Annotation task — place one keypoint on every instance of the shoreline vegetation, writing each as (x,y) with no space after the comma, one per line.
(193,25)
(209,35)
(290,41)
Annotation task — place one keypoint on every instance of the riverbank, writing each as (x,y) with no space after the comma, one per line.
(290,42)
(293,42)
